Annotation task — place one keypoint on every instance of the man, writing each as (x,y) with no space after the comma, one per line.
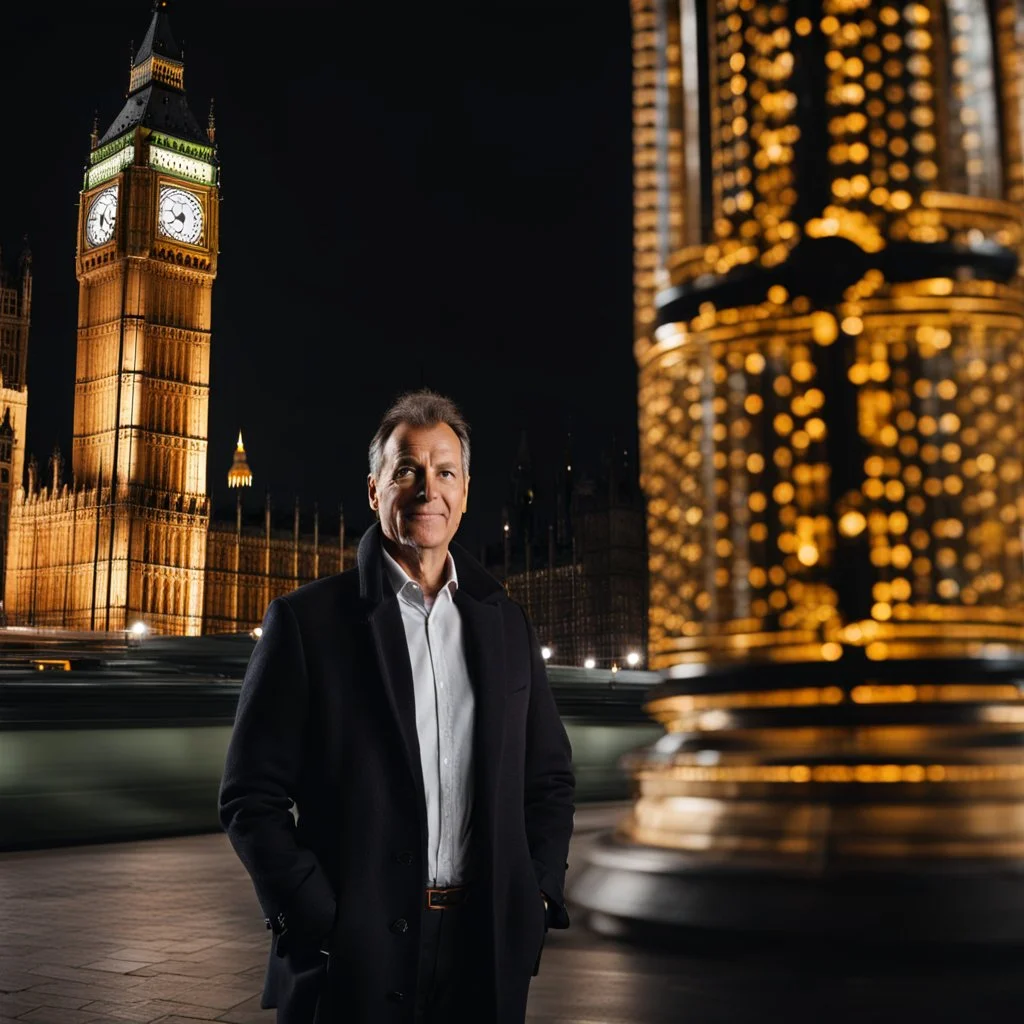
(403,708)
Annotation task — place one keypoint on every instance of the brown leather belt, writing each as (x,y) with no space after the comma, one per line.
(440,899)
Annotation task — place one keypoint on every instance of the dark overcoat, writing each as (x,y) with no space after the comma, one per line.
(326,721)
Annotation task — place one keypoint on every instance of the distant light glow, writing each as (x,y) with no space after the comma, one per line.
(633,659)
(138,629)
(545,653)
(257,633)
(589,663)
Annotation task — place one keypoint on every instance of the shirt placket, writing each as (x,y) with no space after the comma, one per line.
(435,646)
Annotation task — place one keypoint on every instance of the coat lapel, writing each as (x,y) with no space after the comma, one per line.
(396,676)
(384,618)
(484,636)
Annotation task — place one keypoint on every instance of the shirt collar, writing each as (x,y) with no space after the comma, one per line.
(400,579)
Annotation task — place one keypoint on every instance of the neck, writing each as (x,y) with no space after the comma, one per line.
(426,566)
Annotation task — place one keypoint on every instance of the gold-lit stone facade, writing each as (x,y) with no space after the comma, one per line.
(830,342)
(15,318)
(248,565)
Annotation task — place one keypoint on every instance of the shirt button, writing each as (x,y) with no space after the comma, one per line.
(400,927)
(446,760)
(396,997)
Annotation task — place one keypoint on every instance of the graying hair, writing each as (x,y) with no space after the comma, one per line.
(423,408)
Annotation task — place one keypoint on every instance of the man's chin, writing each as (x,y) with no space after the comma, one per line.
(424,534)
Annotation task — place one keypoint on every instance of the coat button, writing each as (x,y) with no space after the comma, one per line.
(404,857)
(400,927)
(396,997)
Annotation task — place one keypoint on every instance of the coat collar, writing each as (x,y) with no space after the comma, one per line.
(374,585)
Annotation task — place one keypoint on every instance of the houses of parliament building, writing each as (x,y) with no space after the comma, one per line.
(127,536)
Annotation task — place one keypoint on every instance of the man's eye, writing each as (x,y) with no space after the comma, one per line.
(448,472)
(403,471)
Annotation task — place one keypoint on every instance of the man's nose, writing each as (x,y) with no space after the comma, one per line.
(428,486)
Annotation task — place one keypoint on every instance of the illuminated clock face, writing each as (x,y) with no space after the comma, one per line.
(99,225)
(181,215)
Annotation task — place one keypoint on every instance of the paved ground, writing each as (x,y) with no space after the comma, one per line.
(168,932)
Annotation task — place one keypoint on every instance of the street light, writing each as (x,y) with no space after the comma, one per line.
(139,629)
(545,653)
(257,633)
(590,663)
(632,659)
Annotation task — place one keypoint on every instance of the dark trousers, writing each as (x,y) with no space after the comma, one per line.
(451,985)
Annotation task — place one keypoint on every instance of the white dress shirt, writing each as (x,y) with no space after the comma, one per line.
(444,718)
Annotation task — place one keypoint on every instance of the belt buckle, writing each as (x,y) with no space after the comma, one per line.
(442,898)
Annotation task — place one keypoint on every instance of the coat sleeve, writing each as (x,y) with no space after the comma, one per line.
(549,786)
(261,775)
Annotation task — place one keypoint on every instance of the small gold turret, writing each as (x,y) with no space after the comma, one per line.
(240,475)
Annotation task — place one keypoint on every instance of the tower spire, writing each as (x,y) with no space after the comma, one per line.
(211,123)
(156,86)
(240,475)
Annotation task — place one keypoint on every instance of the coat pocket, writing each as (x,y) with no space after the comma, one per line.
(302,994)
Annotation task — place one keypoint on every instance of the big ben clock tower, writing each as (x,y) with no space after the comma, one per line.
(147,258)
(127,541)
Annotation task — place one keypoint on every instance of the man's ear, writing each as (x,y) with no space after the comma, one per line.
(371,493)
(465,497)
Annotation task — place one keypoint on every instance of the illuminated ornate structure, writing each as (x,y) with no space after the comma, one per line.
(240,475)
(829,327)
(130,537)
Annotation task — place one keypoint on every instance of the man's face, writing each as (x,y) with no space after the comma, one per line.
(421,492)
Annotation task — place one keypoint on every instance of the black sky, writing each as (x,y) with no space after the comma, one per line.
(415,194)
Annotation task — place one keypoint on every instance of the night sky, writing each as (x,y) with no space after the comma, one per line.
(423,194)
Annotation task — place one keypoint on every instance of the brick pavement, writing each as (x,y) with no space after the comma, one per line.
(169,932)
(156,932)
(165,930)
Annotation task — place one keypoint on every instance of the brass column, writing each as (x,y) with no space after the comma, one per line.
(830,317)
